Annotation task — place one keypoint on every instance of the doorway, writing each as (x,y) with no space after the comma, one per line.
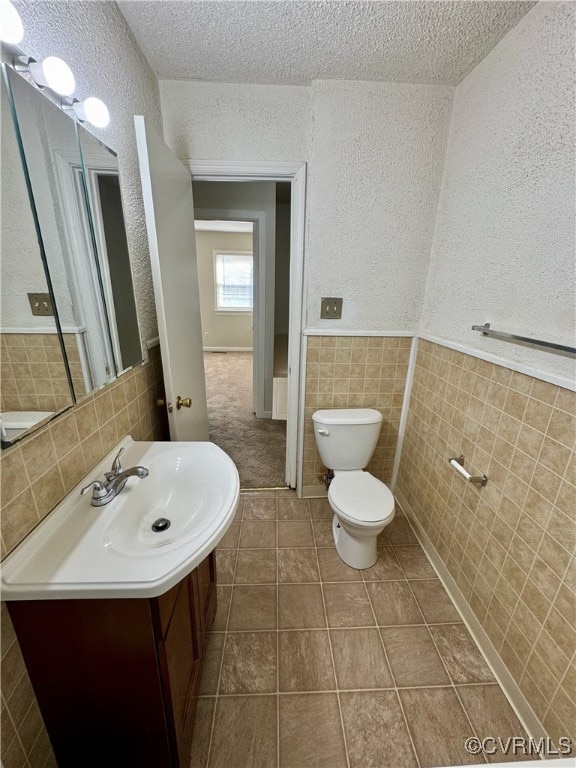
(295,174)
(167,194)
(243,250)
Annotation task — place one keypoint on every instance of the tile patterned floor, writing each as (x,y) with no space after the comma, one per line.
(312,663)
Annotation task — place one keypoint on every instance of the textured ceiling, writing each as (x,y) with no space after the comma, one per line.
(297,41)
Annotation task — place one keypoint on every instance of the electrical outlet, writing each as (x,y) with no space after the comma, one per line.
(206,335)
(331,308)
(41,304)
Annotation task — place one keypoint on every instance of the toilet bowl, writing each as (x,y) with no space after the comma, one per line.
(363,505)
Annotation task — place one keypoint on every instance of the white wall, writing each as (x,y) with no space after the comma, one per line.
(20,265)
(95,40)
(224,329)
(504,245)
(223,121)
(377,153)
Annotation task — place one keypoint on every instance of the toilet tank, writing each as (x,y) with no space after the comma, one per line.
(346,437)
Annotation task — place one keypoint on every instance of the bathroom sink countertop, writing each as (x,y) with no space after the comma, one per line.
(81,551)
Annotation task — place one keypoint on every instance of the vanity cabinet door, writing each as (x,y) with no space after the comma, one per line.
(94,669)
(181,661)
(205,576)
(183,648)
(117,680)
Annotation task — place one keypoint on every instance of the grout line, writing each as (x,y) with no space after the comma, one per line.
(217,695)
(321,629)
(336,683)
(316,548)
(533,650)
(439,686)
(392,676)
(17,734)
(277,648)
(559,686)
(452,684)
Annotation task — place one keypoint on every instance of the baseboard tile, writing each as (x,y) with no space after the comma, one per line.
(526,715)
(314,492)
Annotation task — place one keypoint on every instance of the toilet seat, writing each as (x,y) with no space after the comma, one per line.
(360,497)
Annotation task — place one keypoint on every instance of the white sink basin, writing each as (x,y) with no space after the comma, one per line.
(81,551)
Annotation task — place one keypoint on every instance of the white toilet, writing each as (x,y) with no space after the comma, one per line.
(363,506)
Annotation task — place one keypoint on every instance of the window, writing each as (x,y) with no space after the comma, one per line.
(234,281)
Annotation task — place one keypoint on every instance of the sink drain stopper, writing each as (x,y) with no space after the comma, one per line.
(162,524)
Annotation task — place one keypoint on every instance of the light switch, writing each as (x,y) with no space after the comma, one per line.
(331,308)
(41,304)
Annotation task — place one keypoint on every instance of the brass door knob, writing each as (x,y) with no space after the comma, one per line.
(161,403)
(183,402)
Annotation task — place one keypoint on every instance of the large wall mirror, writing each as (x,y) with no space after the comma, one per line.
(34,378)
(75,197)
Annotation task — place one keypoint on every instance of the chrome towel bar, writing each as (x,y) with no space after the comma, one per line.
(551,346)
(457,464)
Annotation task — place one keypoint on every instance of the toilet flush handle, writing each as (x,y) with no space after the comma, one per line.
(323,432)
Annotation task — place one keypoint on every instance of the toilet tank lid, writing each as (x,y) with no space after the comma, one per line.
(347,416)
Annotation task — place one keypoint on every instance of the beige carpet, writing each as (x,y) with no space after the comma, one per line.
(257,446)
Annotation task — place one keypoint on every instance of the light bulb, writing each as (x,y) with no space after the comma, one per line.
(11,27)
(55,74)
(96,112)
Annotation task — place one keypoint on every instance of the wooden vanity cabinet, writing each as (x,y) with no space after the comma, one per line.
(117,679)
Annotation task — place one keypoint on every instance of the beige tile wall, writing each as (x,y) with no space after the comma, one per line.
(36,474)
(32,373)
(355,372)
(510,546)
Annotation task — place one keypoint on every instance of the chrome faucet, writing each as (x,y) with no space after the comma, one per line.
(116,479)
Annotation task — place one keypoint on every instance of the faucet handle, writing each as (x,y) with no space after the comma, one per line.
(116,466)
(97,487)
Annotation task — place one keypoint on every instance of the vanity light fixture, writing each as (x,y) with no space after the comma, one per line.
(92,110)
(11,27)
(53,73)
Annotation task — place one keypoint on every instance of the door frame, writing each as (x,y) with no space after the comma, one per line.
(82,265)
(258,221)
(228,170)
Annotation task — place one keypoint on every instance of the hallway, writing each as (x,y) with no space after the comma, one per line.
(257,446)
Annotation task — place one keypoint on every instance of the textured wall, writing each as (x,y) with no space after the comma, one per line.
(509,546)
(504,244)
(219,121)
(376,155)
(94,39)
(376,161)
(36,475)
(232,329)
(354,372)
